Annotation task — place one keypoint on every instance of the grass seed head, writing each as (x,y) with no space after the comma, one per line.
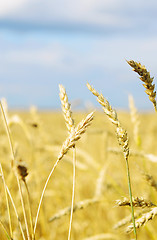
(22,170)
(66,108)
(145,77)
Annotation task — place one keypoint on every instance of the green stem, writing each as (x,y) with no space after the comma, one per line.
(130,193)
(9,238)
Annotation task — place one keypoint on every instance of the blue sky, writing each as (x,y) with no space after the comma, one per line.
(45,43)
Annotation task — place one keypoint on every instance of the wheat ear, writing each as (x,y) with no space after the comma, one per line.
(143,219)
(78,206)
(148,81)
(137,202)
(66,108)
(75,135)
(126,220)
(121,136)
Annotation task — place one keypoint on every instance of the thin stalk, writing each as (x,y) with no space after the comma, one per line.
(73,191)
(20,225)
(24,210)
(7,201)
(130,193)
(42,194)
(30,210)
(8,133)
(12,164)
(4,229)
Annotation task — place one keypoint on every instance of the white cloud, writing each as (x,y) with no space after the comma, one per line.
(80,13)
(7,7)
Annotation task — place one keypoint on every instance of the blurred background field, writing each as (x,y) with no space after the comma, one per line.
(38,137)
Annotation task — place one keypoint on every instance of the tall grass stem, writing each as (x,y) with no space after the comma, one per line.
(73,191)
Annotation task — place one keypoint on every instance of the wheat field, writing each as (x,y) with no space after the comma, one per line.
(87,195)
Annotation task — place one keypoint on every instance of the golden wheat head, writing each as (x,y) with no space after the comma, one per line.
(66,108)
(112,115)
(148,81)
(75,135)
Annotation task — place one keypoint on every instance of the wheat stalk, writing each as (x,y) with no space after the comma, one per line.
(7,201)
(148,81)
(121,136)
(5,230)
(16,213)
(13,167)
(150,157)
(70,126)
(73,137)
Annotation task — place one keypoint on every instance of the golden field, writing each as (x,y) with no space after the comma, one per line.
(37,140)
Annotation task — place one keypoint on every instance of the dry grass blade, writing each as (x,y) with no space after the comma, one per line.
(16,213)
(7,201)
(100,181)
(137,202)
(66,108)
(143,219)
(145,77)
(78,206)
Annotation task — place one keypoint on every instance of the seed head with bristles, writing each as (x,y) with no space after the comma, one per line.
(145,77)
(143,219)
(75,135)
(137,202)
(66,108)
(112,115)
(78,206)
